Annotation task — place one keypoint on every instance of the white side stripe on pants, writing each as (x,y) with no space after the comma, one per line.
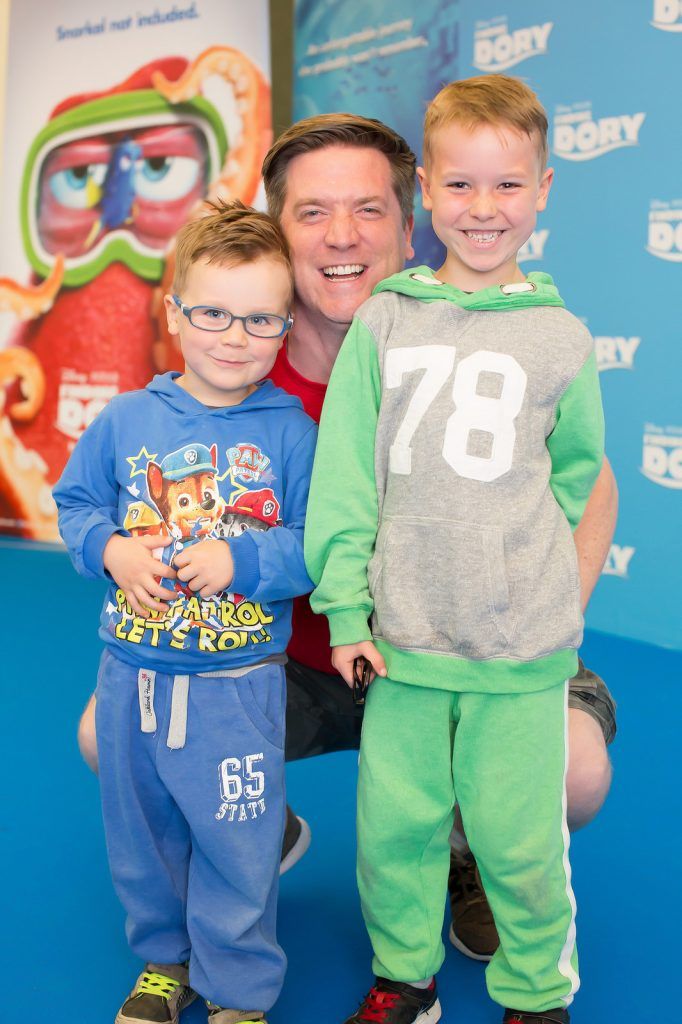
(565,966)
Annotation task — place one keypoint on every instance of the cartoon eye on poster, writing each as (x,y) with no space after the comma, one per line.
(107,182)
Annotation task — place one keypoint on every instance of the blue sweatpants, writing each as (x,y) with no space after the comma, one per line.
(194,834)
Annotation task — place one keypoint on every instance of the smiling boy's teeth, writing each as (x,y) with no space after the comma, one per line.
(348,268)
(483,236)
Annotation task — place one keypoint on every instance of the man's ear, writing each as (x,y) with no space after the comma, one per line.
(425,187)
(172,314)
(545,185)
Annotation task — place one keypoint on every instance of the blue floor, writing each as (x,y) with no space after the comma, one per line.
(65,958)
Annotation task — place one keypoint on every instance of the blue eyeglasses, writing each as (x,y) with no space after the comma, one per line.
(212,318)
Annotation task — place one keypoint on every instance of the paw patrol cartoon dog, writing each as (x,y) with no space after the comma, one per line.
(184,489)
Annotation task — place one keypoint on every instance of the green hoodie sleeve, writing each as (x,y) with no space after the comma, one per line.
(576,445)
(342,516)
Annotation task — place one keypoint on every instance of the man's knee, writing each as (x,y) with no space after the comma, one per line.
(87,738)
(589,769)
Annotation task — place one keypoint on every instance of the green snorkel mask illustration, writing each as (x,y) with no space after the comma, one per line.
(113,179)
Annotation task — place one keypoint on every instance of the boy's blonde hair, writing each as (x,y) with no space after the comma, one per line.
(229,234)
(497,100)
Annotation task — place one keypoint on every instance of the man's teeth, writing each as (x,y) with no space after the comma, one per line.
(483,236)
(348,268)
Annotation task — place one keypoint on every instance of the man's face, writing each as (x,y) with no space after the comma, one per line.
(345,231)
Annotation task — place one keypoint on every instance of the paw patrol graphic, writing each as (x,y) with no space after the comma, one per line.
(142,521)
(184,489)
(253,510)
(247,462)
(184,502)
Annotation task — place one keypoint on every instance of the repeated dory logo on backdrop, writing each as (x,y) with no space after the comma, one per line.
(534,248)
(665,230)
(662,455)
(667,15)
(615,353)
(496,48)
(617,561)
(579,135)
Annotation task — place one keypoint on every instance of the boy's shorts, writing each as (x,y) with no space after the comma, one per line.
(322,718)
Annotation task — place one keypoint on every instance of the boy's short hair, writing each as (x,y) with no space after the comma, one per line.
(228,233)
(325,130)
(497,100)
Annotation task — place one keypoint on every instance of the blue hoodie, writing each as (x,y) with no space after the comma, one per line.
(157,461)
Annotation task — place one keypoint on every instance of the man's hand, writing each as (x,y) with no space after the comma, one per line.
(129,560)
(344,655)
(206,567)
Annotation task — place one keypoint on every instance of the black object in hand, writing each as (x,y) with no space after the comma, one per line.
(362,674)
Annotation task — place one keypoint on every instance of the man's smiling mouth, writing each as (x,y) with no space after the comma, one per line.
(344,271)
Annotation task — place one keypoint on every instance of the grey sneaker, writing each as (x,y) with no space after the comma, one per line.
(160,995)
(295,842)
(473,930)
(219,1015)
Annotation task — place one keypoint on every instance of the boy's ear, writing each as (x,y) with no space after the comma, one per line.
(172,314)
(545,185)
(425,187)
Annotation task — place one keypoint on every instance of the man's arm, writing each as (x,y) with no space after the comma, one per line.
(594,532)
(576,448)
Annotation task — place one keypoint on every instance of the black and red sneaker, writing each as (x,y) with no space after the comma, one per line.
(394,1002)
(558,1016)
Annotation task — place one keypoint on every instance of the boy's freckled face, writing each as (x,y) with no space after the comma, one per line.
(484,187)
(223,367)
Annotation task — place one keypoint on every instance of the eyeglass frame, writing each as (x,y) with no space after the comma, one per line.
(287,322)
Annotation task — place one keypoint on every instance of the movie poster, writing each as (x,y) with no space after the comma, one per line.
(120,119)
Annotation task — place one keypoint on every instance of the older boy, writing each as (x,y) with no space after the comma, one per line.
(191,695)
(460,440)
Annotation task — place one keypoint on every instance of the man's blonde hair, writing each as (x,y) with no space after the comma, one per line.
(496,100)
(229,234)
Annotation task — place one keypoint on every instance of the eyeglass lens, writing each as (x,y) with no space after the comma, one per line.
(260,325)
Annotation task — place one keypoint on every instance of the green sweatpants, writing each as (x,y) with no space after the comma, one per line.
(502,757)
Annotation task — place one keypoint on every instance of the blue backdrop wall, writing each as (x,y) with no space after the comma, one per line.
(609,75)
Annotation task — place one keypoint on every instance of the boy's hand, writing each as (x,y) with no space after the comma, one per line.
(129,560)
(206,567)
(344,655)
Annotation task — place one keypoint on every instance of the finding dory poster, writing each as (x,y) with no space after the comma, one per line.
(120,119)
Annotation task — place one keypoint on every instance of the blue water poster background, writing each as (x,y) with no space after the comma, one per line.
(609,77)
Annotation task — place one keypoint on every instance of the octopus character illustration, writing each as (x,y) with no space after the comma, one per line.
(107,184)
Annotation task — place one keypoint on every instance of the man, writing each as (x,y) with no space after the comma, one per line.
(342,188)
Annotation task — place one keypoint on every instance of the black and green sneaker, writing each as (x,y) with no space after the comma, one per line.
(160,995)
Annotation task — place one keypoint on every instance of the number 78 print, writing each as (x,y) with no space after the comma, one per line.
(494,416)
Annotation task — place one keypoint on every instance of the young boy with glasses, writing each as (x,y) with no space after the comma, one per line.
(189,497)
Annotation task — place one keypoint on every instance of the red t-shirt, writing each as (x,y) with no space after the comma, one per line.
(309,642)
